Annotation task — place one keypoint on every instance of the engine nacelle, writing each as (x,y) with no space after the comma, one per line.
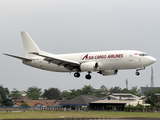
(108,72)
(89,66)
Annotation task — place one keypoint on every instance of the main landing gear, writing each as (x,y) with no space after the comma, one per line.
(88,76)
(77,75)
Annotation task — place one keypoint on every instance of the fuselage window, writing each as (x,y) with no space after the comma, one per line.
(143,54)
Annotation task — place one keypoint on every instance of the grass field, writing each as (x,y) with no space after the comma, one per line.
(57,114)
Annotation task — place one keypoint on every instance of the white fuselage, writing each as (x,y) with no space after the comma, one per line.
(107,60)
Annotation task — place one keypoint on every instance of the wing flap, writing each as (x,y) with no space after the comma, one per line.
(59,61)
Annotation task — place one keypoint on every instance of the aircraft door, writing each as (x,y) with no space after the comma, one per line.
(130,56)
(139,59)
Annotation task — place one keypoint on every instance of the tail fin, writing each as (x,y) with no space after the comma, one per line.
(29,45)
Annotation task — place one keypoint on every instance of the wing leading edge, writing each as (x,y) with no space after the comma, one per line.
(21,58)
(59,61)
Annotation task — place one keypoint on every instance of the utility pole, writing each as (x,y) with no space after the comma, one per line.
(127,84)
(152,83)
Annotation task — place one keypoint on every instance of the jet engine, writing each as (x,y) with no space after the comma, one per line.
(89,66)
(108,72)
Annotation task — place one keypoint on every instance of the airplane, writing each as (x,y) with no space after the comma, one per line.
(104,62)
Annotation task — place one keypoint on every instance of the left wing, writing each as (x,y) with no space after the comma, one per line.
(59,61)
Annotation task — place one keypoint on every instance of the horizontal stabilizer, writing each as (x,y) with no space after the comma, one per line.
(21,58)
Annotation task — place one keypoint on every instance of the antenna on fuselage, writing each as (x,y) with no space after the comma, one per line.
(127,84)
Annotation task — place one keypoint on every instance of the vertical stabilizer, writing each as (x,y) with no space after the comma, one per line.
(29,45)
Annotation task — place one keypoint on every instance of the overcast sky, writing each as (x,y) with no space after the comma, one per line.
(70,26)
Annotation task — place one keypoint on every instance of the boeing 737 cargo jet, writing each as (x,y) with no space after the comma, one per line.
(105,63)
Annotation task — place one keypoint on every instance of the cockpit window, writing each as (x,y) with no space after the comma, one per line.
(143,54)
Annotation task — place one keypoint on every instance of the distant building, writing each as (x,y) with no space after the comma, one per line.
(114,105)
(145,89)
(117,102)
(80,101)
(121,96)
(38,103)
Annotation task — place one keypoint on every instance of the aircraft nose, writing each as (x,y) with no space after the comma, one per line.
(152,60)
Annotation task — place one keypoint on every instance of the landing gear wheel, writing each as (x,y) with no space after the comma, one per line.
(88,77)
(137,73)
(77,74)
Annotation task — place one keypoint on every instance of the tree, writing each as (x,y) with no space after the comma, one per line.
(134,90)
(153,100)
(7,102)
(2,92)
(102,92)
(6,91)
(151,97)
(0,100)
(149,92)
(73,93)
(65,94)
(15,94)
(103,88)
(34,93)
(34,96)
(25,105)
(52,93)
(87,90)
(115,90)
(99,94)
(125,90)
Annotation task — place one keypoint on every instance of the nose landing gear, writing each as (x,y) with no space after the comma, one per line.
(137,73)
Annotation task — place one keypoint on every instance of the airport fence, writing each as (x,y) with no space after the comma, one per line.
(127,109)
(23,109)
(146,109)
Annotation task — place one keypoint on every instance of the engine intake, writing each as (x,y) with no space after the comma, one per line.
(89,66)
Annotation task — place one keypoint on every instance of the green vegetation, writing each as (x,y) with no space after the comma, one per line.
(7,102)
(52,93)
(57,114)
(152,99)
(86,90)
(133,90)
(15,94)
(25,105)
(3,100)
(34,93)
